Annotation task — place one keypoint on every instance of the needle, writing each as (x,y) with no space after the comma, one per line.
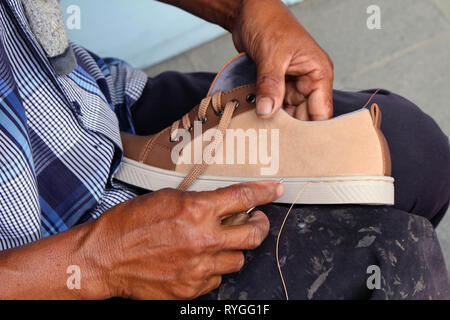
(250,210)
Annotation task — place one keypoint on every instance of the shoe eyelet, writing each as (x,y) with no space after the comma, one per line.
(203,120)
(237,103)
(251,98)
(174,140)
(220,113)
(190,128)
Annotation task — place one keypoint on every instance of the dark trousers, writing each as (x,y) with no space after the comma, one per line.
(325,251)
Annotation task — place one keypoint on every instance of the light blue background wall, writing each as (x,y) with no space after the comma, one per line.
(143,32)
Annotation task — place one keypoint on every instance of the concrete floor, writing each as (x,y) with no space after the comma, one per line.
(409,55)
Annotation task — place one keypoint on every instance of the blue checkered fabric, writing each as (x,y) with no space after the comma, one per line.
(59,135)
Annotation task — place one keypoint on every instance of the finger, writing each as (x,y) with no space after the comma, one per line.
(302,112)
(320,99)
(246,236)
(320,103)
(290,110)
(241,197)
(304,85)
(228,262)
(293,97)
(270,87)
(211,284)
(299,112)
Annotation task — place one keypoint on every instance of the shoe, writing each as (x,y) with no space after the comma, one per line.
(221,142)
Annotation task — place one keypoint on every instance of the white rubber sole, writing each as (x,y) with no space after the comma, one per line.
(376,190)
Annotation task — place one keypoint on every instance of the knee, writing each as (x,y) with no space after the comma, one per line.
(420,155)
(400,114)
(405,124)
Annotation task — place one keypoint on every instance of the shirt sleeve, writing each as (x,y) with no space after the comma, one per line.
(122,86)
(127,86)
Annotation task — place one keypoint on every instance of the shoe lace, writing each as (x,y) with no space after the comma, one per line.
(226,114)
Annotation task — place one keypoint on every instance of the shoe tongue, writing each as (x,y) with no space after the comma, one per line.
(238,71)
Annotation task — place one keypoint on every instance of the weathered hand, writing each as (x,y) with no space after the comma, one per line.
(171,244)
(293,71)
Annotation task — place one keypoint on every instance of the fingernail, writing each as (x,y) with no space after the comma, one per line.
(264,106)
(280,190)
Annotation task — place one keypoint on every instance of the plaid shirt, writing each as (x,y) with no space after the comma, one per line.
(59,135)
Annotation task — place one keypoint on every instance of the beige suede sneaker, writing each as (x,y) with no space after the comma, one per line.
(222,142)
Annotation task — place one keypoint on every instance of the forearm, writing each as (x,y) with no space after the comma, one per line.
(221,12)
(39,270)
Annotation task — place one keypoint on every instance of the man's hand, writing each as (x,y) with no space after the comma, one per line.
(164,245)
(171,245)
(293,71)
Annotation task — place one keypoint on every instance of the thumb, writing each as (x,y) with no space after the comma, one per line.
(270,89)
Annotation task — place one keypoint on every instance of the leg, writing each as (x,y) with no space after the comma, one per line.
(325,252)
(419,149)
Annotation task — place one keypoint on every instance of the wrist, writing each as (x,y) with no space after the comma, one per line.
(220,12)
(61,266)
(232,15)
(94,250)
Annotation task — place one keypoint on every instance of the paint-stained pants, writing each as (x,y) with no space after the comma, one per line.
(337,251)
